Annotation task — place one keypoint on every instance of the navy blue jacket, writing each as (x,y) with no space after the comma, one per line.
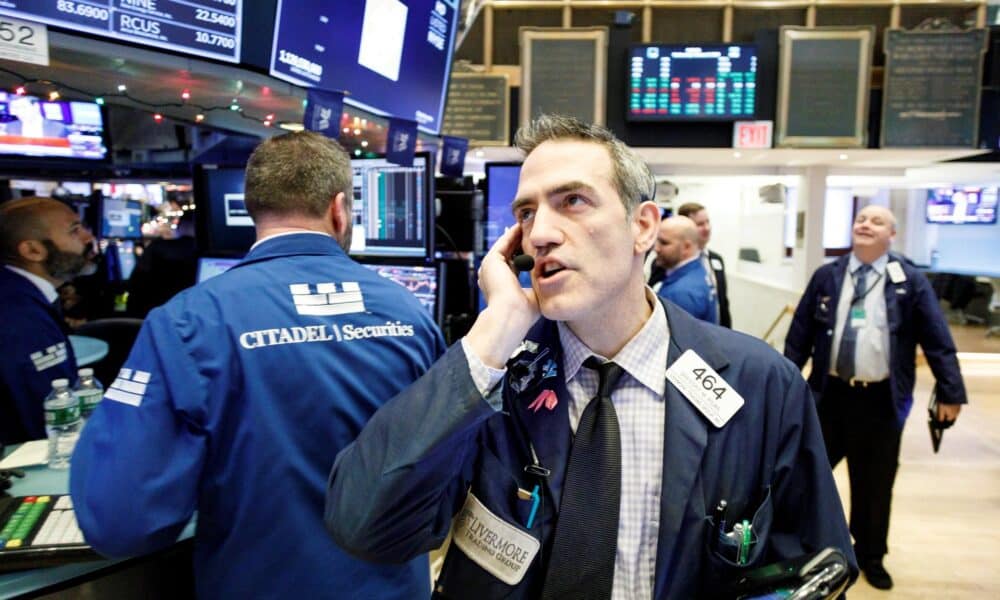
(34,350)
(689,288)
(393,492)
(236,398)
(913,316)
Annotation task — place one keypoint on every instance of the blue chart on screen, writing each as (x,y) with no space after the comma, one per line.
(208,28)
(420,281)
(686,82)
(392,56)
(31,126)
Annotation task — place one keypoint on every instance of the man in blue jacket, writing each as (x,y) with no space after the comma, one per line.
(860,320)
(685,282)
(239,393)
(43,245)
(551,495)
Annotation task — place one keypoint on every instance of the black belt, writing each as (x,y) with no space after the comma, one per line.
(856,383)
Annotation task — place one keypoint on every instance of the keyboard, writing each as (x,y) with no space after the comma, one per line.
(40,531)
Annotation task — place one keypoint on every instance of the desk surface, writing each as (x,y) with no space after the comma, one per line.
(88,350)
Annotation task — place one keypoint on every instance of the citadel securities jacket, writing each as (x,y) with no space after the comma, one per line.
(913,316)
(234,402)
(439,448)
(33,351)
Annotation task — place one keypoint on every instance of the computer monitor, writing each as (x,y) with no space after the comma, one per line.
(962,206)
(423,281)
(121,218)
(223,225)
(501,187)
(392,208)
(209,267)
(33,127)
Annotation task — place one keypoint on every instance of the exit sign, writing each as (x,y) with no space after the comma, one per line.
(752,134)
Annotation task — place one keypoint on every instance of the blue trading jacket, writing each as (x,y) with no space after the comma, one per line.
(236,398)
(913,316)
(33,351)
(390,500)
(688,288)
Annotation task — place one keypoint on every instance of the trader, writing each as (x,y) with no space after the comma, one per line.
(712,261)
(239,393)
(860,319)
(685,281)
(42,245)
(553,497)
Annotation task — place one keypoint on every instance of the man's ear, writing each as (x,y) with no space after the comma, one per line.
(32,251)
(339,214)
(645,224)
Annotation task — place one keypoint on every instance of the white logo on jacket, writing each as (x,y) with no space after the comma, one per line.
(50,357)
(129,387)
(326,300)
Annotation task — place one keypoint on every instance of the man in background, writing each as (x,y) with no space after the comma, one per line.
(239,393)
(167,266)
(43,245)
(860,320)
(685,281)
(712,261)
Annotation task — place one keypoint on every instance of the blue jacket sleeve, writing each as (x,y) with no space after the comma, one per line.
(802,332)
(393,491)
(135,471)
(935,340)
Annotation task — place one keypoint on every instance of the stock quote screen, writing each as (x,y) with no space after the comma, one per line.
(206,28)
(390,207)
(694,83)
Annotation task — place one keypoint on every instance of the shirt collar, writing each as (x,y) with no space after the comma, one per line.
(44,286)
(277,235)
(878,264)
(643,357)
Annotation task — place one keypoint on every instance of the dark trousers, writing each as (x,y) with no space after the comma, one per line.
(859,424)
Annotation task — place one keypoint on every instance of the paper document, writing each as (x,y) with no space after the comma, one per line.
(30,453)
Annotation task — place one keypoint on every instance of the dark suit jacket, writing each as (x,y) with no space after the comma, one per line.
(725,319)
(393,492)
(913,316)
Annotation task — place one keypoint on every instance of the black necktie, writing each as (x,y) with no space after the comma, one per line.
(586,538)
(849,337)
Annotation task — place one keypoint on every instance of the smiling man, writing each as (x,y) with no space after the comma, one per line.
(551,442)
(860,320)
(43,245)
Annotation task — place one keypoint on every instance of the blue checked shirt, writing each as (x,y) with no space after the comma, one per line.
(638,401)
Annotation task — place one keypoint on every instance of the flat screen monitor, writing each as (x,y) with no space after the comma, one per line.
(962,206)
(392,208)
(501,187)
(692,82)
(32,127)
(423,281)
(224,227)
(393,56)
(209,267)
(210,29)
(121,218)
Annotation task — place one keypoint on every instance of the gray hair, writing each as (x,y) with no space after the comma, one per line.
(631,177)
(296,173)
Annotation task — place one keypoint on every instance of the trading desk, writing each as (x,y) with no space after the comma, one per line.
(164,574)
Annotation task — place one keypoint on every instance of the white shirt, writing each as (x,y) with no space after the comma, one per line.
(872,346)
(44,286)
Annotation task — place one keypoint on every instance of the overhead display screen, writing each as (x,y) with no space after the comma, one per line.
(30,126)
(393,57)
(962,206)
(709,82)
(208,28)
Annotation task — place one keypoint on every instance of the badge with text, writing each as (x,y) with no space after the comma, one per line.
(896,274)
(858,317)
(704,388)
(716,264)
(500,548)
(24,41)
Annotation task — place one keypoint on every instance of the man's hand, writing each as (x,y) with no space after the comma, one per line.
(948,412)
(510,310)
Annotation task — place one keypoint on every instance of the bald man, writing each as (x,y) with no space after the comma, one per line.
(860,320)
(42,245)
(686,282)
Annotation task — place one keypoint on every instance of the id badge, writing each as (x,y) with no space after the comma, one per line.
(857,317)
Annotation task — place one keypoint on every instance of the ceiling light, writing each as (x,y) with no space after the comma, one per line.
(843,157)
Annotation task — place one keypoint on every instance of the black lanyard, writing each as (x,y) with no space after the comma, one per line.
(854,280)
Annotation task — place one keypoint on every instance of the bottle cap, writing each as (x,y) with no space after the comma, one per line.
(58,383)
(85,372)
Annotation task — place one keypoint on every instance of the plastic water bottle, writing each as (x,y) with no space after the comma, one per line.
(62,423)
(88,392)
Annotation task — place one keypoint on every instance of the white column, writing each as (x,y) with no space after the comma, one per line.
(813,200)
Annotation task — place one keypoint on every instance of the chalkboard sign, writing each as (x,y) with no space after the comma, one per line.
(564,71)
(931,96)
(478,109)
(823,86)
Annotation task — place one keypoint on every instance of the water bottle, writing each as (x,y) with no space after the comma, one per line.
(88,392)
(62,423)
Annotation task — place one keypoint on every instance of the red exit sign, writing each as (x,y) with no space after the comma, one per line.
(752,134)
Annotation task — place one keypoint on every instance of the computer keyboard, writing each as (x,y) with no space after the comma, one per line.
(40,531)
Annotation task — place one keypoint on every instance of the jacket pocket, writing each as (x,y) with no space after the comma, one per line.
(725,561)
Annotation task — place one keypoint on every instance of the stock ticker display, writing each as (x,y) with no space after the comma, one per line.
(694,83)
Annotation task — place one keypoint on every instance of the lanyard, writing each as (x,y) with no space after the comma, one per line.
(854,280)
